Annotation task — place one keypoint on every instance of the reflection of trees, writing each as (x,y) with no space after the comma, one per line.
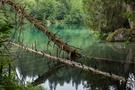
(34,65)
(31,65)
(102,83)
(123,67)
(74,76)
(107,50)
(115,57)
(47,74)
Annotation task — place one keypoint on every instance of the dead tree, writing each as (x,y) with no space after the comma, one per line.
(51,36)
(78,65)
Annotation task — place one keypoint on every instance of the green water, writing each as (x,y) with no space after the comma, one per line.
(57,76)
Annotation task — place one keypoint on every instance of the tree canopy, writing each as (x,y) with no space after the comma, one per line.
(104,15)
(67,11)
(108,15)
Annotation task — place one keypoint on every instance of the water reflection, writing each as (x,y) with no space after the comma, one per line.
(52,71)
(43,69)
(119,60)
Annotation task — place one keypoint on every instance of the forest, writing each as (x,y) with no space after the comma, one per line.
(86,43)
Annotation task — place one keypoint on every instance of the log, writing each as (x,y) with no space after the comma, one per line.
(47,74)
(51,36)
(78,65)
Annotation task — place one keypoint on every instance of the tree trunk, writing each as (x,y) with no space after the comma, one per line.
(78,65)
(48,74)
(51,36)
(131,8)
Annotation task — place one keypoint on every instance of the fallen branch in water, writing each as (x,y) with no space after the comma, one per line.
(78,65)
(51,36)
(73,51)
(47,74)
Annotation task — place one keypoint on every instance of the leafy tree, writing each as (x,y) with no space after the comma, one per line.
(7,76)
(67,11)
(8,79)
(76,14)
(104,15)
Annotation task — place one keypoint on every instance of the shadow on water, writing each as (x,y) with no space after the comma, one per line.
(119,60)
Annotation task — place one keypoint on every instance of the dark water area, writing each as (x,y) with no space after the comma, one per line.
(52,75)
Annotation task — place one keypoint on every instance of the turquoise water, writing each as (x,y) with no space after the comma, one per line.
(31,66)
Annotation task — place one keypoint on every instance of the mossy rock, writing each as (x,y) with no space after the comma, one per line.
(110,37)
(120,34)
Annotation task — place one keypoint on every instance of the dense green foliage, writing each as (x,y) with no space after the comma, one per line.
(105,15)
(8,78)
(57,11)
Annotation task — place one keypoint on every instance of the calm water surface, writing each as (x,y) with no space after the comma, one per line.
(54,75)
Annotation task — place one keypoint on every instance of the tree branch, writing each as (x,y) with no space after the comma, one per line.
(51,36)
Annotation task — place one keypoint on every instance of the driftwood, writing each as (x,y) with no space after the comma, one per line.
(78,65)
(51,36)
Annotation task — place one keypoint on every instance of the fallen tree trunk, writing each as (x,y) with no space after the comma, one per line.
(47,74)
(78,65)
(51,36)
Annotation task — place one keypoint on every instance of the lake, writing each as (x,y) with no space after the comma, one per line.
(114,57)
